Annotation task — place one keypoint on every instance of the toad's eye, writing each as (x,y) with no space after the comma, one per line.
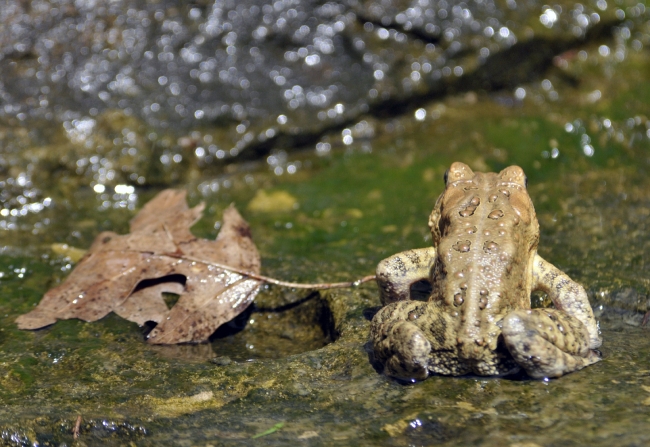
(446,177)
(526,181)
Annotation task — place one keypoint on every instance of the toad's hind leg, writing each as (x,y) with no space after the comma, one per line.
(399,344)
(547,342)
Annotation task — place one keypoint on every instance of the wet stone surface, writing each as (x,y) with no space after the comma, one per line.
(74,162)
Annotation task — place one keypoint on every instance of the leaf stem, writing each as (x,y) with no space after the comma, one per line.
(279,282)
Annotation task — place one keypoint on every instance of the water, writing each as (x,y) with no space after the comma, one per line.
(122,83)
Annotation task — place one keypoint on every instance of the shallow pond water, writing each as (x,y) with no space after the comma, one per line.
(300,373)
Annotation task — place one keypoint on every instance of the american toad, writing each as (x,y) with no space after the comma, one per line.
(482,268)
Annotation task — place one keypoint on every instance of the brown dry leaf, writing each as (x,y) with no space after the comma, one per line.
(127,274)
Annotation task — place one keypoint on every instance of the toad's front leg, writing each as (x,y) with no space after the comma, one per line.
(396,274)
(567,296)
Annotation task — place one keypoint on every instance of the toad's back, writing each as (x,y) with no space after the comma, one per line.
(486,235)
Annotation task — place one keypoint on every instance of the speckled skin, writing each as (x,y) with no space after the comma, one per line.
(483,267)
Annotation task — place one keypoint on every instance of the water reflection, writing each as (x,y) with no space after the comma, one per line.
(177,66)
(127,92)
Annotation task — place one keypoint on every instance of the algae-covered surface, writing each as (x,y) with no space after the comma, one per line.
(294,369)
